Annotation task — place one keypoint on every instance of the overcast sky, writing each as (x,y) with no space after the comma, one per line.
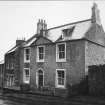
(18,18)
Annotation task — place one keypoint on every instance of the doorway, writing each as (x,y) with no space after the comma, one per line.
(40,78)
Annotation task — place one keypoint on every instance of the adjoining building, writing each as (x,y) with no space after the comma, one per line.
(55,59)
(12,67)
(1,73)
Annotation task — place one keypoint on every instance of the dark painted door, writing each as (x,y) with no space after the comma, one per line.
(40,78)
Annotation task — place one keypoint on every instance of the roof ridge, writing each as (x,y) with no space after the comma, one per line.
(11,49)
(31,38)
(69,24)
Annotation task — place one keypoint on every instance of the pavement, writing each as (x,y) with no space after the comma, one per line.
(51,100)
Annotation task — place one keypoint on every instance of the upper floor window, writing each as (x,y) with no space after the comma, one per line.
(61,52)
(40,53)
(27,55)
(60,78)
(12,65)
(7,66)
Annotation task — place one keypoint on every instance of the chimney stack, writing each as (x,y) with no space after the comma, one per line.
(96,14)
(20,41)
(41,26)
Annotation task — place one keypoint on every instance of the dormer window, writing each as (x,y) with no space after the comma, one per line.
(40,53)
(27,55)
(68,31)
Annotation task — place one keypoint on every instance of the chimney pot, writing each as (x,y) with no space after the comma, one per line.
(44,21)
(95,14)
(41,21)
(18,41)
(41,25)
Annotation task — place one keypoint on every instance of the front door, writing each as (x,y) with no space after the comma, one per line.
(40,79)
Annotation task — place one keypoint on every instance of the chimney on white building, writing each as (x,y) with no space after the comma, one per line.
(96,14)
(41,26)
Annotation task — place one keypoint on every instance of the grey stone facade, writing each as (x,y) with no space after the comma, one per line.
(85,46)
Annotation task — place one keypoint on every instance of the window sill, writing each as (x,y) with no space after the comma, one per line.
(60,87)
(40,60)
(26,82)
(27,61)
(61,60)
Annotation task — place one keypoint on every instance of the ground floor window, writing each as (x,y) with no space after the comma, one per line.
(26,75)
(10,80)
(60,78)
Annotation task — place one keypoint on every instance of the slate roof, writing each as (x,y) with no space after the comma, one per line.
(12,50)
(29,42)
(25,44)
(80,28)
(56,33)
(53,34)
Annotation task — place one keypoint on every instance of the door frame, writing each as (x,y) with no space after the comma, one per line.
(37,80)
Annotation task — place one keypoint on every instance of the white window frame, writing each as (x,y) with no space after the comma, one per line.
(56,79)
(42,60)
(25,54)
(24,76)
(57,53)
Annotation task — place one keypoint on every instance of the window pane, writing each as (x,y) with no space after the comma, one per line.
(60,81)
(40,49)
(27,54)
(60,77)
(27,57)
(27,51)
(41,53)
(62,47)
(61,55)
(40,56)
(61,74)
(27,75)
(27,72)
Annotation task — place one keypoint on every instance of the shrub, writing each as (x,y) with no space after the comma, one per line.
(81,88)
(25,87)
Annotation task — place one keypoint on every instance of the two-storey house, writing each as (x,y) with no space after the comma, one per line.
(58,58)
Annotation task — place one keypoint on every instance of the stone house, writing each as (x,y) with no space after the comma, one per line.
(12,67)
(1,73)
(57,58)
